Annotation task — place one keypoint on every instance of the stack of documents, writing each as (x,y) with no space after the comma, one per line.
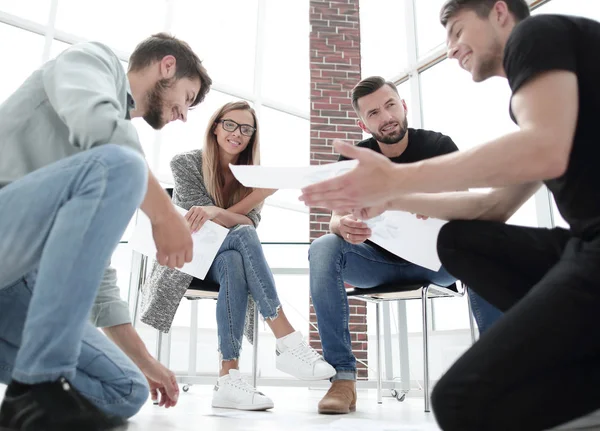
(398,232)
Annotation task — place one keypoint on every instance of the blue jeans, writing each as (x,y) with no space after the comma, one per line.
(64,221)
(241,268)
(333,262)
(485,313)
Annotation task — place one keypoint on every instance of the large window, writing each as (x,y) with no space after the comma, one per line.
(115,22)
(18,66)
(223,33)
(430,33)
(241,46)
(383,41)
(34,10)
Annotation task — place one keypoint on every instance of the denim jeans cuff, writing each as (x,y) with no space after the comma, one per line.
(344,375)
(42,377)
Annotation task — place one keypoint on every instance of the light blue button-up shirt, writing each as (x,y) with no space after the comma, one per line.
(73,103)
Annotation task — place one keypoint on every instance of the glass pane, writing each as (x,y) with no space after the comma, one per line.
(284,142)
(586,8)
(430,33)
(284,139)
(34,10)
(558,219)
(57,47)
(121,261)
(406,94)
(282,221)
(112,21)
(383,41)
(180,137)
(289,86)
(223,34)
(471,114)
(455,109)
(25,54)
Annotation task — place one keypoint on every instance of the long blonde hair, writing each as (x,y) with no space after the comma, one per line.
(214,180)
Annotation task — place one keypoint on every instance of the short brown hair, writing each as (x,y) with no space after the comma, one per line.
(482,8)
(368,86)
(159,45)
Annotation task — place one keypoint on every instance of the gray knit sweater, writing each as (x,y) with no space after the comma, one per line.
(165,288)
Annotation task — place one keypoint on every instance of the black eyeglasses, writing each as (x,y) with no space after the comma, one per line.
(231,126)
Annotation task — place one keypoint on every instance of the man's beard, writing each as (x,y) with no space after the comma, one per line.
(489,63)
(155,102)
(394,138)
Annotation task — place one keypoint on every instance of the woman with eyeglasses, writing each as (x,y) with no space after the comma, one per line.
(205,186)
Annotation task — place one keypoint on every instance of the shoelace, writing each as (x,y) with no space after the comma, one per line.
(305,353)
(243,385)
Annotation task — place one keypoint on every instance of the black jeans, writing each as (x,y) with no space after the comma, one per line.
(539,365)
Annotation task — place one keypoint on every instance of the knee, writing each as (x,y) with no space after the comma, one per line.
(227,262)
(324,250)
(128,395)
(444,408)
(126,166)
(448,238)
(139,395)
(245,233)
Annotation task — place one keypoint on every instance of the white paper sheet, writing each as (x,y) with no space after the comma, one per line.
(266,177)
(207,242)
(407,236)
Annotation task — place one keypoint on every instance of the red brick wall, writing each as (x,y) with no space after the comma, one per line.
(334,71)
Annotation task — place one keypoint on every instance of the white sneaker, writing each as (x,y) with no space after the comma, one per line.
(233,392)
(296,357)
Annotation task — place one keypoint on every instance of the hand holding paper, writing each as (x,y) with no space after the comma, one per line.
(408,237)
(207,242)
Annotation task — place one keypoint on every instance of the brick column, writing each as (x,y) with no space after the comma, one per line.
(334,71)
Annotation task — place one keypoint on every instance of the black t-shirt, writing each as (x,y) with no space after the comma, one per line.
(422,144)
(554,42)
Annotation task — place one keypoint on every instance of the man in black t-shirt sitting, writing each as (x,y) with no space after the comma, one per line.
(539,366)
(347,256)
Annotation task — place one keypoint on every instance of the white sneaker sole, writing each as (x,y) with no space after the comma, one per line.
(247,407)
(309,378)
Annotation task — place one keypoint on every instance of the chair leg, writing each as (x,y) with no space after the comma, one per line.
(378,344)
(193,339)
(425,348)
(471,317)
(159,345)
(140,283)
(255,348)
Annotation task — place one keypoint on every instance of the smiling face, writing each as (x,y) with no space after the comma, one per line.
(476,43)
(169,100)
(383,115)
(234,142)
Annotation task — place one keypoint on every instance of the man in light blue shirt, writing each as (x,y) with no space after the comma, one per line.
(72,174)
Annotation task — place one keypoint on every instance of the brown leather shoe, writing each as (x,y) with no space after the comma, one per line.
(340,398)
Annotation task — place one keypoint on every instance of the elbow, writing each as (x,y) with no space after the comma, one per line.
(490,210)
(556,166)
(555,151)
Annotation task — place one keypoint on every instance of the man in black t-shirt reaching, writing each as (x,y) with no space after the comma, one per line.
(347,255)
(539,366)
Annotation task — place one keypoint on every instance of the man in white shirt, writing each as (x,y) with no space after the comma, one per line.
(72,174)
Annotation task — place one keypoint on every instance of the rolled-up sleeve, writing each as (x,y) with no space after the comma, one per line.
(82,86)
(109,309)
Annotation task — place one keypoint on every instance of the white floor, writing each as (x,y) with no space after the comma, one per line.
(295,409)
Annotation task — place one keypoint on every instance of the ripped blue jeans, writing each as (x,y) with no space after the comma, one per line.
(241,268)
